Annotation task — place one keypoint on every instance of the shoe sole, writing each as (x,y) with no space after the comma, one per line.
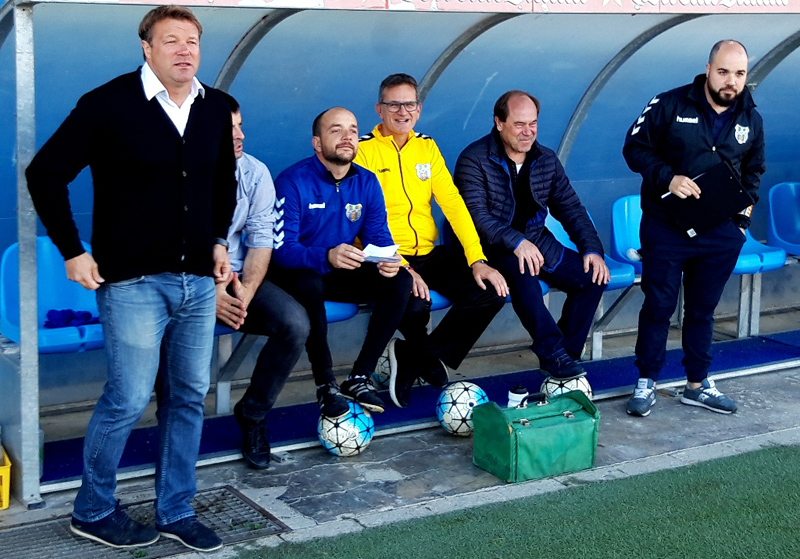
(636,414)
(393,374)
(94,538)
(643,414)
(178,538)
(255,465)
(695,403)
(371,407)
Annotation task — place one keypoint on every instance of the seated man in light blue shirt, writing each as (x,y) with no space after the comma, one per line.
(251,304)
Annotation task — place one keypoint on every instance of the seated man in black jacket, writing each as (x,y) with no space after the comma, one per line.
(509,182)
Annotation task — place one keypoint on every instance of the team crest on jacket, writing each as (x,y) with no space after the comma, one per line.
(741,133)
(423,171)
(353,211)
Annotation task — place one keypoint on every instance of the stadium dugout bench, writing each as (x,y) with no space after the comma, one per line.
(622,275)
(754,259)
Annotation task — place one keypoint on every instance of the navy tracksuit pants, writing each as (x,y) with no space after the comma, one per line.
(705,263)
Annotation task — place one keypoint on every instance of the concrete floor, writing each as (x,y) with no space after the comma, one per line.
(425,472)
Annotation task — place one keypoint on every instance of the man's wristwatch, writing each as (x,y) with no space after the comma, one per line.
(482,261)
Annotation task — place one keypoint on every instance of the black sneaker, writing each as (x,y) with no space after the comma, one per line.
(401,373)
(561,366)
(255,439)
(191,533)
(331,402)
(360,389)
(115,530)
(435,373)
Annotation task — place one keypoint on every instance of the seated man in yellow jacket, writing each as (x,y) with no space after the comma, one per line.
(411,171)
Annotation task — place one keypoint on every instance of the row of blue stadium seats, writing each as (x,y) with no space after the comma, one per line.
(57,292)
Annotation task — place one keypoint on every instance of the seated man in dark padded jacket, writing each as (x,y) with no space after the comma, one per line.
(509,183)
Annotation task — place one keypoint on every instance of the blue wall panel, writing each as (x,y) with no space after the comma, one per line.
(316,59)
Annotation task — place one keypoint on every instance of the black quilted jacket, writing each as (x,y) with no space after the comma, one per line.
(484,181)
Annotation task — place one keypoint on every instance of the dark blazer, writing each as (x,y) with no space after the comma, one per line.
(483,178)
(160,199)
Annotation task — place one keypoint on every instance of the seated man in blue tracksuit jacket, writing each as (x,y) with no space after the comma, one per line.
(509,182)
(323,203)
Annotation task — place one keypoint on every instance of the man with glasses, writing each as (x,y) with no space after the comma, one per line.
(412,173)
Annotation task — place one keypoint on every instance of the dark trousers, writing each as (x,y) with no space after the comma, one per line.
(583,296)
(706,263)
(473,308)
(273,313)
(362,285)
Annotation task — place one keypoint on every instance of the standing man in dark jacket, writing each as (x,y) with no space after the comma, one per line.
(158,143)
(509,182)
(681,134)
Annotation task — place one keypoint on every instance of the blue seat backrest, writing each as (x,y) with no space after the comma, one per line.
(55,292)
(626,215)
(784,216)
(621,274)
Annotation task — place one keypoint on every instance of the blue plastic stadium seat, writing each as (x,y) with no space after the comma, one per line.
(783,226)
(55,292)
(626,214)
(756,258)
(337,312)
(622,274)
(439,301)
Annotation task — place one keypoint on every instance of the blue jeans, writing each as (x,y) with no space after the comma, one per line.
(138,316)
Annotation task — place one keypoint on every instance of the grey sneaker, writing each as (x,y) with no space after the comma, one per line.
(707,396)
(644,398)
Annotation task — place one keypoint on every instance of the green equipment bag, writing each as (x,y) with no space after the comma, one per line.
(539,438)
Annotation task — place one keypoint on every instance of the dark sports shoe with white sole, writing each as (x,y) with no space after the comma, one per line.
(360,389)
(330,400)
(115,530)
(401,373)
(435,373)
(708,397)
(192,534)
(561,366)
(644,398)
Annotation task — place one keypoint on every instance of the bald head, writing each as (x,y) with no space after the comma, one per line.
(335,137)
(726,74)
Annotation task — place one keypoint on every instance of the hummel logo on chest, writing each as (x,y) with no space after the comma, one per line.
(688,120)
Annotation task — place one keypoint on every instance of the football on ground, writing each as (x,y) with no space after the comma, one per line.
(348,434)
(555,387)
(454,407)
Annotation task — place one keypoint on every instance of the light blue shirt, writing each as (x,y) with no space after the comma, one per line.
(253,218)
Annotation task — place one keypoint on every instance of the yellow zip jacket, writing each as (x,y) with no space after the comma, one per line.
(410,178)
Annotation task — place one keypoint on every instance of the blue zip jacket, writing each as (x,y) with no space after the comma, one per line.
(484,181)
(313,214)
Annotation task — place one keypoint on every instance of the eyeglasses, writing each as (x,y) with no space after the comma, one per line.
(394,107)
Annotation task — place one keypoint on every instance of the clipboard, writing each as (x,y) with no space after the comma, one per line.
(722,196)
